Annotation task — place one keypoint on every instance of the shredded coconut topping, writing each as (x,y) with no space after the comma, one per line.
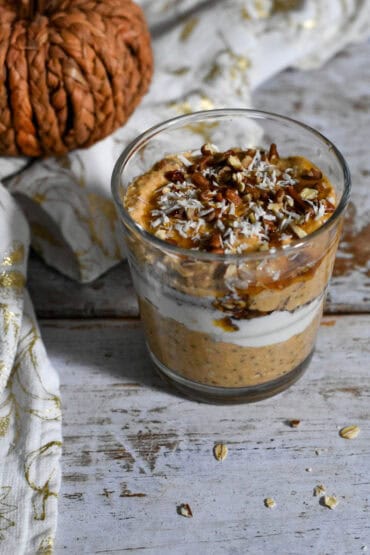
(239,200)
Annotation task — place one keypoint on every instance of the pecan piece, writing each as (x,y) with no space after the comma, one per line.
(208,148)
(273,154)
(234,162)
(215,241)
(176,176)
(313,173)
(205,195)
(200,181)
(233,196)
(185,510)
(225,174)
(329,207)
(205,162)
(279,195)
(211,216)
(298,201)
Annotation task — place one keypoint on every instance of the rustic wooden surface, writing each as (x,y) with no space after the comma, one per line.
(134,451)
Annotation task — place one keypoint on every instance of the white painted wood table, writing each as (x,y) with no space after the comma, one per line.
(134,450)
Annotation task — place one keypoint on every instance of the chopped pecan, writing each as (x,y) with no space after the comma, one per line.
(279,195)
(211,216)
(200,181)
(298,200)
(246,161)
(208,148)
(205,195)
(329,207)
(313,173)
(234,162)
(205,162)
(175,176)
(233,196)
(225,174)
(215,241)
(273,154)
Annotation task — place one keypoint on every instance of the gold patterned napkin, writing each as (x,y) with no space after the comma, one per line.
(30,414)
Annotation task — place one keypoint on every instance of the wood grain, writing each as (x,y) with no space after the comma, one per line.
(134,451)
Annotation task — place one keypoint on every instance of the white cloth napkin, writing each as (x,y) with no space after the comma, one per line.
(208,54)
(30,412)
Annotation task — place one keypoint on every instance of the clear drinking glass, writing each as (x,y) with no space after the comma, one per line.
(186,295)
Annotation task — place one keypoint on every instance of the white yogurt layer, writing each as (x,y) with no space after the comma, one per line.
(262,331)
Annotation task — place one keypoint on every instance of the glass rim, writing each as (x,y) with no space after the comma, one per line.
(273,252)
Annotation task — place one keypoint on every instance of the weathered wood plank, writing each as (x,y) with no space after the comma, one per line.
(112,295)
(133,451)
(335,100)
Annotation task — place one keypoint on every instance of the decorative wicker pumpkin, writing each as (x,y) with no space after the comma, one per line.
(72,71)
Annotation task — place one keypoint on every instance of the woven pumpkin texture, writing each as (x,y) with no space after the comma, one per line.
(72,71)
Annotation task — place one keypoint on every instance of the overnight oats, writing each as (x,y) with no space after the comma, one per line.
(231,250)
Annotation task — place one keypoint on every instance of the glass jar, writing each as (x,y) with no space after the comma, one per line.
(225,327)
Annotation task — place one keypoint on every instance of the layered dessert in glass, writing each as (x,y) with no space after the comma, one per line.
(231,250)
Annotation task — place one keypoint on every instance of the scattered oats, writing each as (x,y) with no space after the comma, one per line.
(294,423)
(269,502)
(319,490)
(349,432)
(220,451)
(317,452)
(330,501)
(185,510)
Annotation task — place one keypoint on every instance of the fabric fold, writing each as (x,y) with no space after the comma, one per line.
(30,409)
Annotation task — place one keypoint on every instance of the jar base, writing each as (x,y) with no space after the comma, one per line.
(229,395)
